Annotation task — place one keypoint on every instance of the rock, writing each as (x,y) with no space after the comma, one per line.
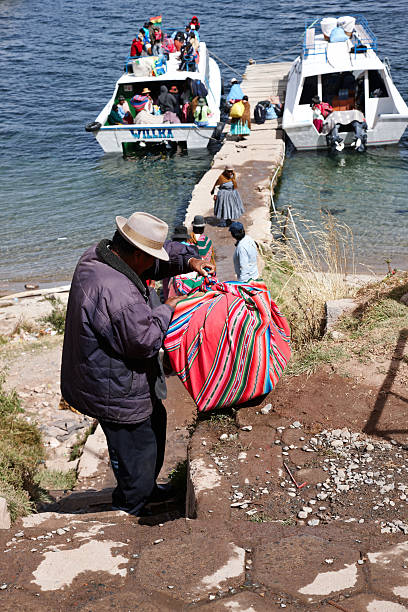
(404,299)
(337,335)
(302,514)
(266,409)
(336,443)
(223,437)
(313,522)
(336,308)
(5,520)
(296,425)
(247,428)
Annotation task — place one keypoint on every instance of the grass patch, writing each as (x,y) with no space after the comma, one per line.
(56,480)
(21,451)
(305,270)
(310,357)
(56,319)
(261,518)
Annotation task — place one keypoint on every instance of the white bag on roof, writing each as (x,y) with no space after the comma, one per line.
(327,24)
(143,66)
(347,23)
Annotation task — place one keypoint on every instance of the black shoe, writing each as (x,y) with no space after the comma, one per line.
(162,493)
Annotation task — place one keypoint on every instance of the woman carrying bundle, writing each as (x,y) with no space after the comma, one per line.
(241,125)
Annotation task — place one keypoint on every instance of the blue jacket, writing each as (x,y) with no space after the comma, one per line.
(115,327)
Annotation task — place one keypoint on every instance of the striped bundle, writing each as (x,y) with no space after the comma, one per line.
(228,343)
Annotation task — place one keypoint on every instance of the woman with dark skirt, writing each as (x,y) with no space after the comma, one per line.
(227,202)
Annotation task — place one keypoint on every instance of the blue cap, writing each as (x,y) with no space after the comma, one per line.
(236,226)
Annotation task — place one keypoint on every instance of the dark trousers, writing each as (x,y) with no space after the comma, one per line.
(136,453)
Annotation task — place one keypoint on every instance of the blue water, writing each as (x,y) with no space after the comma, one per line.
(59,62)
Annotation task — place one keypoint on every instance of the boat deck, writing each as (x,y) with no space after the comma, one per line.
(255,159)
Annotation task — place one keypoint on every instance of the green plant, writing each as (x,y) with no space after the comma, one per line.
(56,479)
(310,357)
(58,314)
(9,401)
(21,452)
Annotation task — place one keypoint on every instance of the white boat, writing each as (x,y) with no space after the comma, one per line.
(348,75)
(112,138)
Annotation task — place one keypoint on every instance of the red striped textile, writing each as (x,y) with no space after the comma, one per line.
(228,343)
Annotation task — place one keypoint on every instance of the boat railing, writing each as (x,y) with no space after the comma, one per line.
(363,38)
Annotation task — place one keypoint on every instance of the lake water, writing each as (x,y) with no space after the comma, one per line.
(59,192)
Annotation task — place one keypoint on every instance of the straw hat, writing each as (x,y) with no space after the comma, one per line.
(146,232)
(146,90)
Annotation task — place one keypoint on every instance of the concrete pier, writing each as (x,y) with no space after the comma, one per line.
(254,159)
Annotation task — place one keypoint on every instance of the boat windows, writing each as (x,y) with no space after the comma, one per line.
(339,89)
(376,85)
(309,90)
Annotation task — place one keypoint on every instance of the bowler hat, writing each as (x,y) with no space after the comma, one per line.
(199,221)
(146,232)
(180,233)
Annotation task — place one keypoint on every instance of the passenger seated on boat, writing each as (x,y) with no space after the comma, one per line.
(194,22)
(114,117)
(124,110)
(167,101)
(202,112)
(188,58)
(175,92)
(136,49)
(194,42)
(149,106)
(321,110)
(179,41)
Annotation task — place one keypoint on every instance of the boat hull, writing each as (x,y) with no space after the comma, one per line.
(112,138)
(388,130)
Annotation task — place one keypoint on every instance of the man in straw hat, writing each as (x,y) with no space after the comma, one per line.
(115,327)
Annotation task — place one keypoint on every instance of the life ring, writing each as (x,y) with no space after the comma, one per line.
(93,127)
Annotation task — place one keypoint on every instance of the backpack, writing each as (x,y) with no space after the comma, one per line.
(202,91)
(260,112)
(237,110)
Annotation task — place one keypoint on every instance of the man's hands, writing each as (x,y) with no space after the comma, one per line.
(204,268)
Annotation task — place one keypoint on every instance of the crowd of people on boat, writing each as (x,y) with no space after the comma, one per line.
(184,102)
(152,41)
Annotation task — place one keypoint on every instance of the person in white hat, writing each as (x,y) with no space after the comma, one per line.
(115,326)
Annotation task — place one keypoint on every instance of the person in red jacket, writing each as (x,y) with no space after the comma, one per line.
(137,47)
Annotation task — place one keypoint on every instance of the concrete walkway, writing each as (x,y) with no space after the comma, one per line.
(255,160)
